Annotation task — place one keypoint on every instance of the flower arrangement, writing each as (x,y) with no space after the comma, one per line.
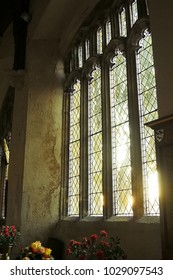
(97,247)
(35,251)
(8,235)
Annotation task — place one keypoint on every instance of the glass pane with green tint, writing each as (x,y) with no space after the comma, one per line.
(80,55)
(133,12)
(121,157)
(74,152)
(95,145)
(99,40)
(148,112)
(108,31)
(87,49)
(122,23)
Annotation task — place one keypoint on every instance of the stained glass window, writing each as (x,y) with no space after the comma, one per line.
(74,152)
(95,156)
(121,164)
(148,112)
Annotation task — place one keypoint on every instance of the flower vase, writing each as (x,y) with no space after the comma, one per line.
(5,251)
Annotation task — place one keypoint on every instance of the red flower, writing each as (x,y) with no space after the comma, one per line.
(72,242)
(82,257)
(68,251)
(94,236)
(6,229)
(96,247)
(100,255)
(13,228)
(104,233)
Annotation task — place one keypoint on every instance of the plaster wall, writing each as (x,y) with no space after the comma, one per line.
(43,87)
(41,182)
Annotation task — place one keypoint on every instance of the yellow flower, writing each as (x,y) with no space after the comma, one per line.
(47,252)
(35,245)
(41,250)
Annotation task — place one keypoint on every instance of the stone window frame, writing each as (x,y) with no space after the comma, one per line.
(128,45)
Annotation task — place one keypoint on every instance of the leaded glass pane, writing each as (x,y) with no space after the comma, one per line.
(99,40)
(133,12)
(75,59)
(87,49)
(95,156)
(122,23)
(108,32)
(80,56)
(121,158)
(148,112)
(74,152)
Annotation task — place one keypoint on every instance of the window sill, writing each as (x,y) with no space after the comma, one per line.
(142,220)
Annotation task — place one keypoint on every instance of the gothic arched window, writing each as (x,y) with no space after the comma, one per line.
(110,94)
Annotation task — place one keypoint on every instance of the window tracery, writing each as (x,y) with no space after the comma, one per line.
(116,163)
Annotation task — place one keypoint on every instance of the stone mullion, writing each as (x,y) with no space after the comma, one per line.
(142,8)
(104,36)
(115,29)
(107,152)
(65,156)
(84,149)
(136,161)
(128,18)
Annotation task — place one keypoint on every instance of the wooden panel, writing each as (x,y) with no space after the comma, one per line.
(164,153)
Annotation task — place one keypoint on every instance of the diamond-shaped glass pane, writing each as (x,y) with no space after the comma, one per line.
(149,101)
(121,158)
(95,155)
(147,79)
(123,203)
(97,203)
(99,40)
(148,112)
(120,113)
(80,55)
(133,12)
(74,152)
(122,23)
(75,115)
(87,49)
(108,32)
(73,205)
(120,91)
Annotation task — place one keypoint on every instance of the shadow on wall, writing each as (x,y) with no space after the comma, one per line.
(57,247)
